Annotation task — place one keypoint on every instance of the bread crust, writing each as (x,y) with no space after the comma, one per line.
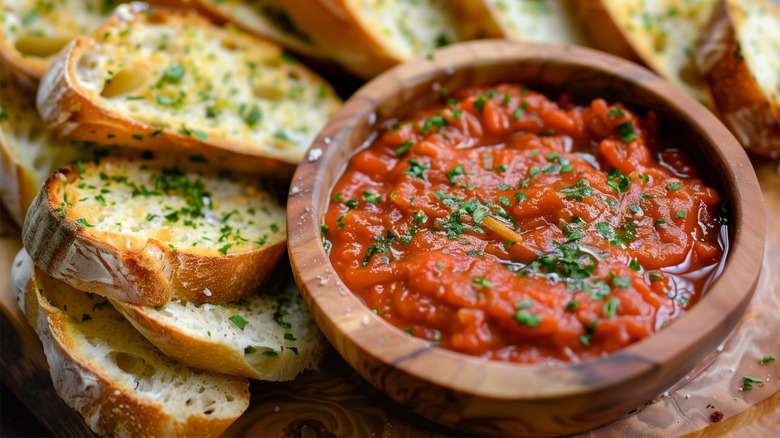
(336,28)
(70,110)
(109,407)
(133,269)
(742,105)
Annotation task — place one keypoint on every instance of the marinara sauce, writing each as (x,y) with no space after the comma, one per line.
(506,225)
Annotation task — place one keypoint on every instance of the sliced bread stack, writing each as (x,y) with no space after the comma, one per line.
(182,252)
(119,382)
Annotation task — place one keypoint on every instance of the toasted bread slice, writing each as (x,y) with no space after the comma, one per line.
(268,336)
(267,19)
(662,34)
(170,80)
(28,154)
(149,230)
(119,382)
(542,21)
(368,37)
(32,32)
(739,59)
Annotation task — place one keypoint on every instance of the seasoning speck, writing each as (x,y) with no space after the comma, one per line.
(207,292)
(294,190)
(277,409)
(315,154)
(364,320)
(717,416)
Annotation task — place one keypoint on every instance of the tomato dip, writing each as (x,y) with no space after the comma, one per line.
(506,225)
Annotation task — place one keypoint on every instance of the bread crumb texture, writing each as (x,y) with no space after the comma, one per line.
(186,208)
(666,31)
(430,26)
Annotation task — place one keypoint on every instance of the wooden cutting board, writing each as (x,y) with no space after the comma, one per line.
(338,402)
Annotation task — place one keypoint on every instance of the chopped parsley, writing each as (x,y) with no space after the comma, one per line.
(482,281)
(373,198)
(174,73)
(578,191)
(239,321)
(416,169)
(438,121)
(609,310)
(405,146)
(84,223)
(456,171)
(626,131)
(766,359)
(618,181)
(747,382)
(526,318)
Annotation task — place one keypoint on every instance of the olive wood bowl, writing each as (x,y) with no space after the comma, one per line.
(494,398)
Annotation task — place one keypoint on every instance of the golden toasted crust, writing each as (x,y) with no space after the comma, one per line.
(76,110)
(335,28)
(726,58)
(108,404)
(133,268)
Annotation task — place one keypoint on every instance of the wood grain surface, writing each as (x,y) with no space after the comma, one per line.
(338,402)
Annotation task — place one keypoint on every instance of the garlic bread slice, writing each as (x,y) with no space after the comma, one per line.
(662,34)
(268,336)
(119,382)
(148,230)
(368,36)
(169,80)
(541,21)
(265,18)
(28,153)
(32,32)
(739,59)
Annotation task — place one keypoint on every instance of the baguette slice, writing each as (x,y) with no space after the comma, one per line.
(32,32)
(148,230)
(119,382)
(28,154)
(267,19)
(661,34)
(368,37)
(543,21)
(170,80)
(739,59)
(268,336)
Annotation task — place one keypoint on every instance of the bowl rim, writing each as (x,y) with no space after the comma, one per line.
(349,324)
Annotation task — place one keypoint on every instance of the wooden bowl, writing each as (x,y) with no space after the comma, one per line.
(494,398)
